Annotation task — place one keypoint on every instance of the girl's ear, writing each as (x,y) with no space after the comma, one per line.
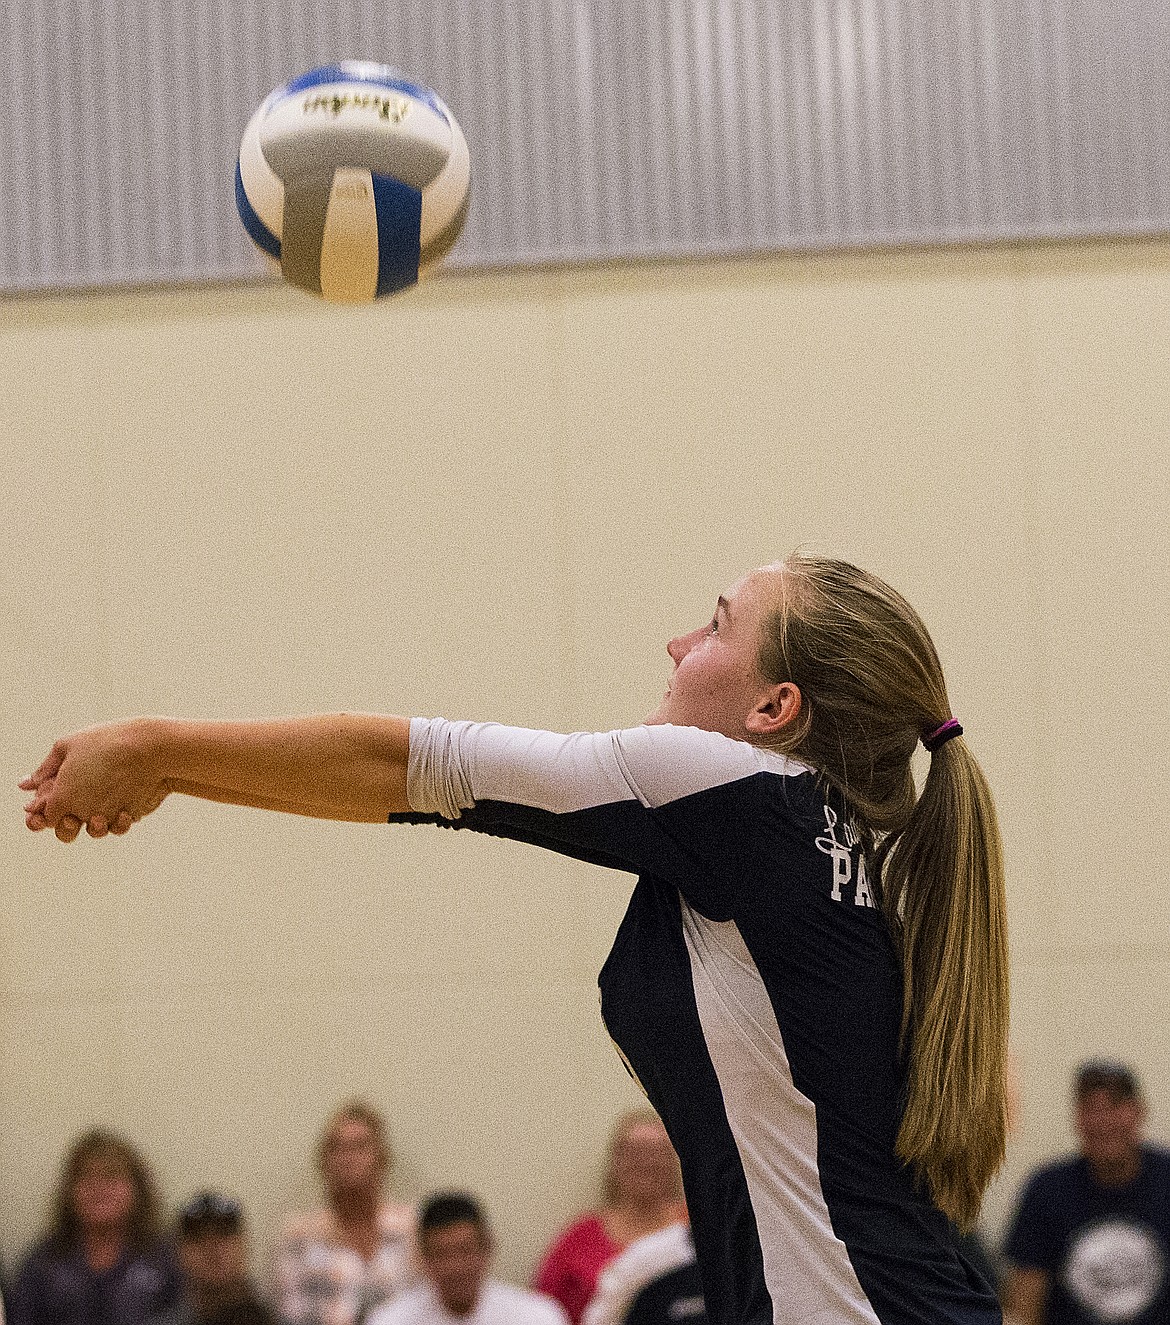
(778,707)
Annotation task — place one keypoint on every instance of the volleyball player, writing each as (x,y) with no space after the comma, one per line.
(810,982)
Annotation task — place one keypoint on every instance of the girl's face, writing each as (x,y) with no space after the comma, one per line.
(353,1158)
(644,1167)
(103,1196)
(716,683)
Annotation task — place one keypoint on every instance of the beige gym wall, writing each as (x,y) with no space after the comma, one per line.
(498,496)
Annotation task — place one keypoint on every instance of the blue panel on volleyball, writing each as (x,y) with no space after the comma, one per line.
(262,237)
(399,211)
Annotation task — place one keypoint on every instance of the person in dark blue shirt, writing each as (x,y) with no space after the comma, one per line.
(1090,1239)
(810,982)
(103,1261)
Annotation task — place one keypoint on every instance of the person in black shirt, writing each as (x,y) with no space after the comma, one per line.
(1090,1240)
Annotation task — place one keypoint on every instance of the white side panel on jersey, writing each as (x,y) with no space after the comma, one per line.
(263,186)
(454,764)
(806,1266)
(349,245)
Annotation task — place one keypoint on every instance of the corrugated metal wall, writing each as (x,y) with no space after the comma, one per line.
(599,127)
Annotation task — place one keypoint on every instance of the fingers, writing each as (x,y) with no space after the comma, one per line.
(48,767)
(67,828)
(47,805)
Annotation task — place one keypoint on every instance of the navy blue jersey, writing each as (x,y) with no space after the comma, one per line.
(753,992)
(674,1298)
(1106,1249)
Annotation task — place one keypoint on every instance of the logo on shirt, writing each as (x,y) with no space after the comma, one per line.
(841,842)
(687,1308)
(1114,1270)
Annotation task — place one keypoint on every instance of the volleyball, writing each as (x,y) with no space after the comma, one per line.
(355,179)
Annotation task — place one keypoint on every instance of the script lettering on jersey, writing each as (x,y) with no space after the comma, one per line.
(843,849)
(393,109)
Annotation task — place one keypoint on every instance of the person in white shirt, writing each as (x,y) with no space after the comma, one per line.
(654,1280)
(455,1246)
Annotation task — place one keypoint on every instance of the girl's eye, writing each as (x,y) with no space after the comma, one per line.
(714,627)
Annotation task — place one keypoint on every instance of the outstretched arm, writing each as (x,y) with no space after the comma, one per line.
(331,766)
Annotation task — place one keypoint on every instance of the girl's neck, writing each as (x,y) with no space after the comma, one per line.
(626,1221)
(1119,1172)
(356,1214)
(103,1247)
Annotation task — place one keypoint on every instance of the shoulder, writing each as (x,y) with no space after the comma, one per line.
(395,1219)
(1157,1156)
(585,1228)
(1055,1177)
(47,1255)
(669,763)
(406,1309)
(44,1250)
(1050,1194)
(654,1254)
(306,1226)
(521,1306)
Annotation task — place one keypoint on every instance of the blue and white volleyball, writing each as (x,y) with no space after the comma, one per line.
(355,179)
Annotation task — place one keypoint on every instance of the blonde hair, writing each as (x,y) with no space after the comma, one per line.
(356,1111)
(872,686)
(627,1123)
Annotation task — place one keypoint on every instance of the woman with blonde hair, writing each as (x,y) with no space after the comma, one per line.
(336,1263)
(810,982)
(642,1193)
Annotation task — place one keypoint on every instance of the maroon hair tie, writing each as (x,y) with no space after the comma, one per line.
(941,735)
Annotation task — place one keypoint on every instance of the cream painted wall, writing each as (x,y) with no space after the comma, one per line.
(498,496)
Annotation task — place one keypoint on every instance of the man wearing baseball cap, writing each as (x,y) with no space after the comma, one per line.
(213,1257)
(1090,1242)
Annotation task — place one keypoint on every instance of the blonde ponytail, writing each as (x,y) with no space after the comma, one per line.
(872,685)
(943,886)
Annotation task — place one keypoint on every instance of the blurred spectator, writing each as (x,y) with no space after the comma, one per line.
(456,1247)
(214,1261)
(336,1263)
(102,1262)
(1090,1241)
(643,1193)
(655,1281)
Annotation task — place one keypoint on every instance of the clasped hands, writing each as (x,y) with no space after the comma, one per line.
(100,779)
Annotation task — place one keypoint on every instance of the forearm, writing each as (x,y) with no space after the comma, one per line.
(335,766)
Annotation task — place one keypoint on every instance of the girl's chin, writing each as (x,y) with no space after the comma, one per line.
(660,715)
